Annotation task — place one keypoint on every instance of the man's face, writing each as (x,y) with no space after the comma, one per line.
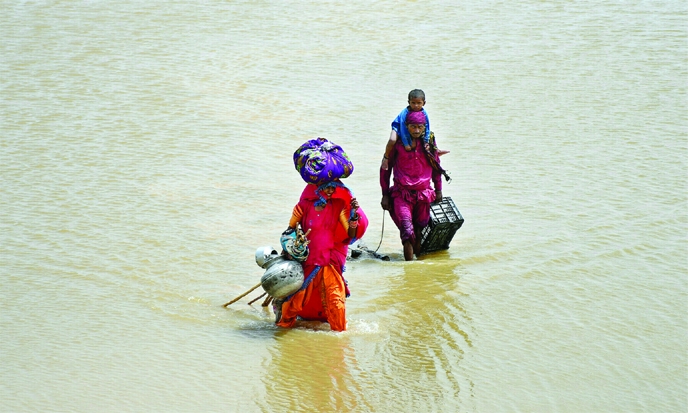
(416,130)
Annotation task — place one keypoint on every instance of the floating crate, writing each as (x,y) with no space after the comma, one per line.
(445,220)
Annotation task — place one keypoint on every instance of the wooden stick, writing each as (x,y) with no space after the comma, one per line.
(303,238)
(267,301)
(242,295)
(257,298)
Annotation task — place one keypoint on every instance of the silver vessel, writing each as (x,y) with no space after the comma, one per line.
(282,276)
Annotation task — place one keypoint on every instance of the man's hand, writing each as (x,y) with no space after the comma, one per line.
(385,163)
(385,202)
(438,197)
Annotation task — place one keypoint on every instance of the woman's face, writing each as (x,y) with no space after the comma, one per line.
(328,191)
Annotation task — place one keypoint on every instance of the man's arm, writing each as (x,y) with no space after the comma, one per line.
(437,183)
(385,177)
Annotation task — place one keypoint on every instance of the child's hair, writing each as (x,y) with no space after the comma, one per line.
(416,93)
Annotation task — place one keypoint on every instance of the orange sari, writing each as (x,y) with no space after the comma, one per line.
(324,300)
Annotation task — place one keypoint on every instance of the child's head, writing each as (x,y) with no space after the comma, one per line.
(416,100)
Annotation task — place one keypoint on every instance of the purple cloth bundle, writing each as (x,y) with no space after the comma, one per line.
(320,161)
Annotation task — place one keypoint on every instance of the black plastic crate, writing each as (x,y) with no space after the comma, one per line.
(445,220)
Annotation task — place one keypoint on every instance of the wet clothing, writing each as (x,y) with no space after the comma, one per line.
(412,193)
(411,211)
(324,298)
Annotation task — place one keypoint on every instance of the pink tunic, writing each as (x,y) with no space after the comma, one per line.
(323,236)
(411,193)
(324,298)
(412,171)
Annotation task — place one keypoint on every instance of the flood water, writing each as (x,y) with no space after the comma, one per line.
(146,152)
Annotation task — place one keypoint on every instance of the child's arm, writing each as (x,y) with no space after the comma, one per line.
(388,149)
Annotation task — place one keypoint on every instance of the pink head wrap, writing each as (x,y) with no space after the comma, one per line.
(415,118)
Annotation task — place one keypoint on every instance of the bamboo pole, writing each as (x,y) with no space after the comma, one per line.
(242,295)
(257,298)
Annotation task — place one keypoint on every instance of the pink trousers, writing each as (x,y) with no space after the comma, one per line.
(410,210)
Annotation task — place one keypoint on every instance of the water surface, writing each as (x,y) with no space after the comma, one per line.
(145,152)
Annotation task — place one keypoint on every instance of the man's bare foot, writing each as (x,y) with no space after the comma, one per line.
(408,251)
(416,246)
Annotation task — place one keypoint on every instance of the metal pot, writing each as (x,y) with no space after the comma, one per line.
(282,277)
(265,255)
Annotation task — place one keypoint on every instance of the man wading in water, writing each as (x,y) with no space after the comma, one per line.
(414,169)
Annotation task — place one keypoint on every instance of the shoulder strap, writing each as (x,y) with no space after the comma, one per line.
(434,160)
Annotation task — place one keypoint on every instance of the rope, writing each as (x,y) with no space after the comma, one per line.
(383,231)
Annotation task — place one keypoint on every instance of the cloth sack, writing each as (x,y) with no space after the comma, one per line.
(319,161)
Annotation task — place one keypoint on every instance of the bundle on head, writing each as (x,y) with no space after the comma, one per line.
(319,161)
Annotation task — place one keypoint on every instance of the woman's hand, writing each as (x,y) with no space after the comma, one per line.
(354,208)
(353,221)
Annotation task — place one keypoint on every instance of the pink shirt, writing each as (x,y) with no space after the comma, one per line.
(322,236)
(412,170)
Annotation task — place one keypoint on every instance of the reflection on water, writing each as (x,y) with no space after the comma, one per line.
(422,332)
(420,360)
(311,371)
